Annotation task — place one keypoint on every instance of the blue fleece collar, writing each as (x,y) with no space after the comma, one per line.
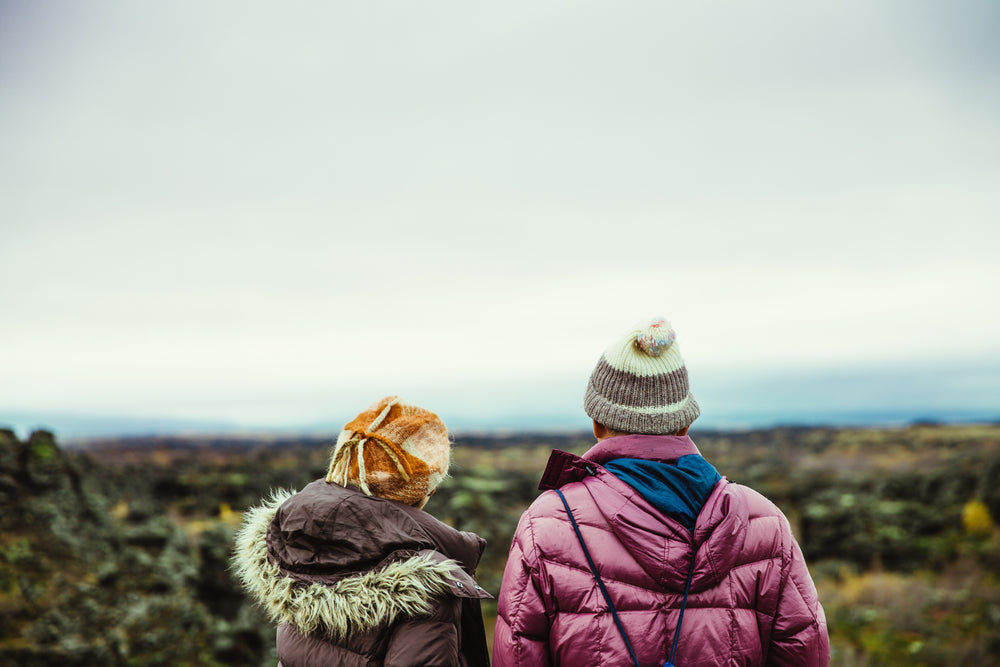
(679,489)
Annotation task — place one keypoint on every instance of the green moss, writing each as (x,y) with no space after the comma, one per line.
(43,450)
(16,552)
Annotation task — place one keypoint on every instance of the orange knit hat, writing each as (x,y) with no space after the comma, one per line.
(392,450)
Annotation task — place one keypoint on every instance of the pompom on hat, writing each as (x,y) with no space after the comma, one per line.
(392,450)
(640,384)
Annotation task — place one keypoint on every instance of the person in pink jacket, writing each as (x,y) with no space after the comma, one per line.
(640,553)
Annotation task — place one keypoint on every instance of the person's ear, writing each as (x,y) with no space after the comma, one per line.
(600,430)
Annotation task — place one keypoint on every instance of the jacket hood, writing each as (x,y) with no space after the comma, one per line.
(331,559)
(661,545)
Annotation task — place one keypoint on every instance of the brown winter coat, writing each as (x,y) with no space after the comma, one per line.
(357,580)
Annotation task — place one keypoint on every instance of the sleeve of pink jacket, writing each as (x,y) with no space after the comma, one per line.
(522,628)
(800,635)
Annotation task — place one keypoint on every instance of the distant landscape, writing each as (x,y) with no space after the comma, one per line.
(115,551)
(850,396)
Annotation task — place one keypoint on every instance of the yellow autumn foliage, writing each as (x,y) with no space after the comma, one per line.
(976,518)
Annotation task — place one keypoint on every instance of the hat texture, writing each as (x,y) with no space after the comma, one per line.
(640,384)
(392,450)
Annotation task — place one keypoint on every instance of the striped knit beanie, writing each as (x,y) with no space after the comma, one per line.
(640,384)
(392,450)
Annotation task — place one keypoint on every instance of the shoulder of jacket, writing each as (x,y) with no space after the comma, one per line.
(761,512)
(535,531)
(758,504)
(542,509)
(548,506)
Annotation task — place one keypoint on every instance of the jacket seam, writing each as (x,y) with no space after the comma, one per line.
(529,558)
(733,627)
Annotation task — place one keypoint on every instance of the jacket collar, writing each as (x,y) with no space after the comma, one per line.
(564,467)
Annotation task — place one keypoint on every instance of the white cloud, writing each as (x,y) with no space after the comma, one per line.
(223,210)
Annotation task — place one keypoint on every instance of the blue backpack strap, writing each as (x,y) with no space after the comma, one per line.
(597,577)
(680,619)
(607,597)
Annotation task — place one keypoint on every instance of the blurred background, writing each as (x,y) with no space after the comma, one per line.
(237,216)
(227,227)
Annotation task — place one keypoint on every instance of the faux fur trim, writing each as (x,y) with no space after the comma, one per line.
(354,604)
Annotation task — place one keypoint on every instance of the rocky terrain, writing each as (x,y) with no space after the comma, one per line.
(117,552)
(85,582)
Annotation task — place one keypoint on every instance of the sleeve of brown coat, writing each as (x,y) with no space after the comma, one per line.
(426,642)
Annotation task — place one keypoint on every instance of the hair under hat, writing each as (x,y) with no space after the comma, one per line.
(640,384)
(392,450)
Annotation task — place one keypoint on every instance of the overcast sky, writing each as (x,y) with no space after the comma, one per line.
(270,214)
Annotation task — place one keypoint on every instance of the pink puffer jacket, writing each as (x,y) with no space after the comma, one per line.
(752,600)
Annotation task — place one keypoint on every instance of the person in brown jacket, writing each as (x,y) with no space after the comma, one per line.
(351,568)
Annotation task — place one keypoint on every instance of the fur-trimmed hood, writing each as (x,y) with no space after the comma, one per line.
(333,560)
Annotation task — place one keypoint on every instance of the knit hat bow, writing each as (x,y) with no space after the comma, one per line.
(392,450)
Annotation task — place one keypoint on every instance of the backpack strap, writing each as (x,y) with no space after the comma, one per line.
(680,619)
(600,583)
(607,597)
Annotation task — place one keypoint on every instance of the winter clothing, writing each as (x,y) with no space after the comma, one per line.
(677,489)
(752,601)
(359,580)
(392,450)
(640,384)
